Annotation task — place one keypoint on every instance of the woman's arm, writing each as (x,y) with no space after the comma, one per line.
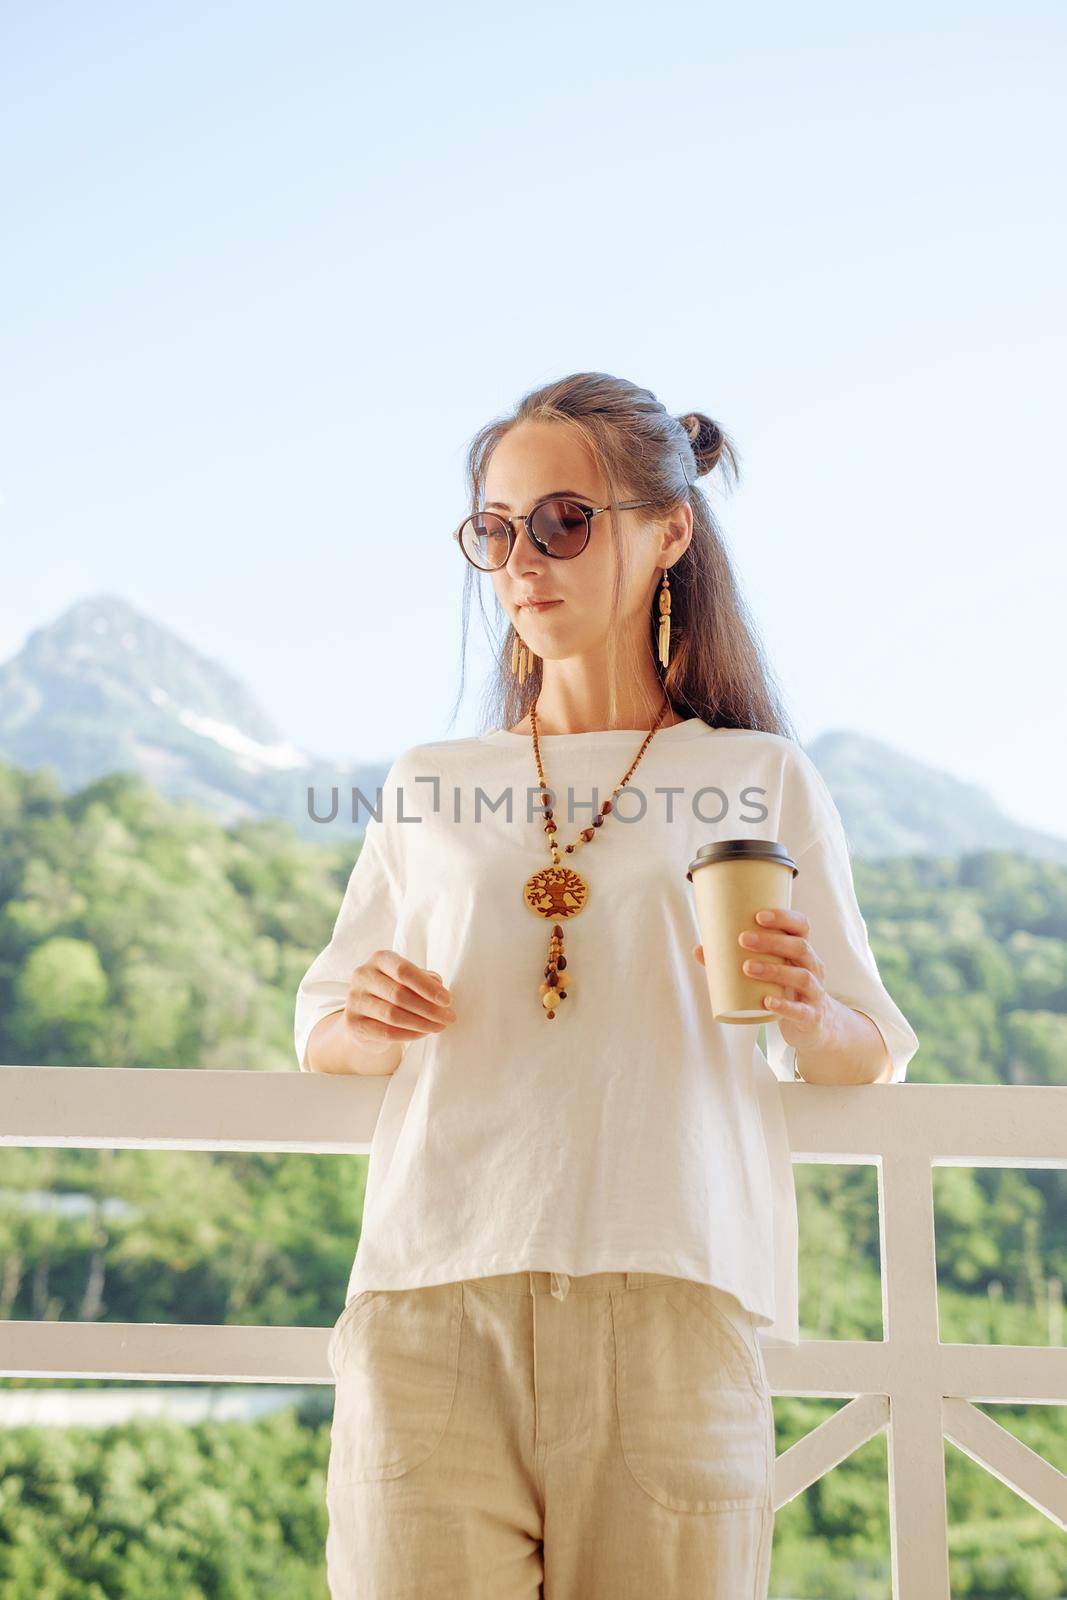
(855,1051)
(330,1048)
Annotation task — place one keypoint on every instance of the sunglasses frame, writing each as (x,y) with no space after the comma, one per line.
(589,512)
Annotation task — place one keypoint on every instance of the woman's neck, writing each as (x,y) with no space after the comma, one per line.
(550,721)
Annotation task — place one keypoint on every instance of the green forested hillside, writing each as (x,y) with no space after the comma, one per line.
(134,932)
(137,933)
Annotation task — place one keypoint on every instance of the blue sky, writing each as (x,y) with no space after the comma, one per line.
(267,267)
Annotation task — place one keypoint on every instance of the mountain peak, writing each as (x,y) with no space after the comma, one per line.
(104,687)
(108,606)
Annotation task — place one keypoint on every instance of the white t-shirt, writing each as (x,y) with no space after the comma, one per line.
(631,1131)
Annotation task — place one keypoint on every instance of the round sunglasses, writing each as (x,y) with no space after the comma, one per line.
(558,525)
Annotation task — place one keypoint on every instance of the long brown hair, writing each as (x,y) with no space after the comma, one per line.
(717,669)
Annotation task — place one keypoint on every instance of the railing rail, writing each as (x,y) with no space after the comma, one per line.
(910,1384)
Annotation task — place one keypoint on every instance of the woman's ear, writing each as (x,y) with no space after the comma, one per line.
(677,534)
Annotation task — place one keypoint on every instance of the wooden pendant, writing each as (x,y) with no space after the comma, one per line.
(556,892)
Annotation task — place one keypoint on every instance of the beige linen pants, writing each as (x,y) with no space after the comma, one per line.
(607,1437)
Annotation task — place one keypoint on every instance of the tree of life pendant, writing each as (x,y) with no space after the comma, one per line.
(556,892)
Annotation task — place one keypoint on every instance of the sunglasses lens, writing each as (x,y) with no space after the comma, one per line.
(485,541)
(561,527)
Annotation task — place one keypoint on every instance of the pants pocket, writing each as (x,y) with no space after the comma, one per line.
(349,1315)
(720,1317)
(396,1363)
(695,1429)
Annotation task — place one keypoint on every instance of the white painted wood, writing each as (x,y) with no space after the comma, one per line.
(1007,1458)
(157,1350)
(1015,1374)
(953,1124)
(917,1505)
(908,1381)
(963,1125)
(811,1457)
(138,1108)
(817,1368)
(107,1406)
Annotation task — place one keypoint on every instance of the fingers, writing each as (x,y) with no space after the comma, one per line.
(396,992)
(774,940)
(372,1030)
(425,984)
(794,1010)
(779,917)
(790,977)
(395,1019)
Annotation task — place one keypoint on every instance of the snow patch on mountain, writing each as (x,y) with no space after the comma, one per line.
(281,756)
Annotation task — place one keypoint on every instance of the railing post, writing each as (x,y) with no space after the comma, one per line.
(918,1509)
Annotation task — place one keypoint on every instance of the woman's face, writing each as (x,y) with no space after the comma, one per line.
(532,461)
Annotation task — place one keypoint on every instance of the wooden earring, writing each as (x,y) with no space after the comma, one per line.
(522,659)
(664,621)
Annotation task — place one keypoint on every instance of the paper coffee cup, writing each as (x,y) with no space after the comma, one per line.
(732,880)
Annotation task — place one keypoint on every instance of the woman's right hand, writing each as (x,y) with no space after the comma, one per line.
(392,1001)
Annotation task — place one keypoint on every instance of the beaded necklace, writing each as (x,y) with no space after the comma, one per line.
(558,892)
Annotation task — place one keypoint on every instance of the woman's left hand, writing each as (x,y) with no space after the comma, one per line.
(780,952)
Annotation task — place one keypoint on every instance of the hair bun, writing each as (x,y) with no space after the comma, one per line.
(706,438)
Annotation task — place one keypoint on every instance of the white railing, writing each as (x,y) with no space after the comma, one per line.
(919,1390)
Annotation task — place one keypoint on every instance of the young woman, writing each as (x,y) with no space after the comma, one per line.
(580,1223)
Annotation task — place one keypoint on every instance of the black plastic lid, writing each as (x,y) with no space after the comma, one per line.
(743,850)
